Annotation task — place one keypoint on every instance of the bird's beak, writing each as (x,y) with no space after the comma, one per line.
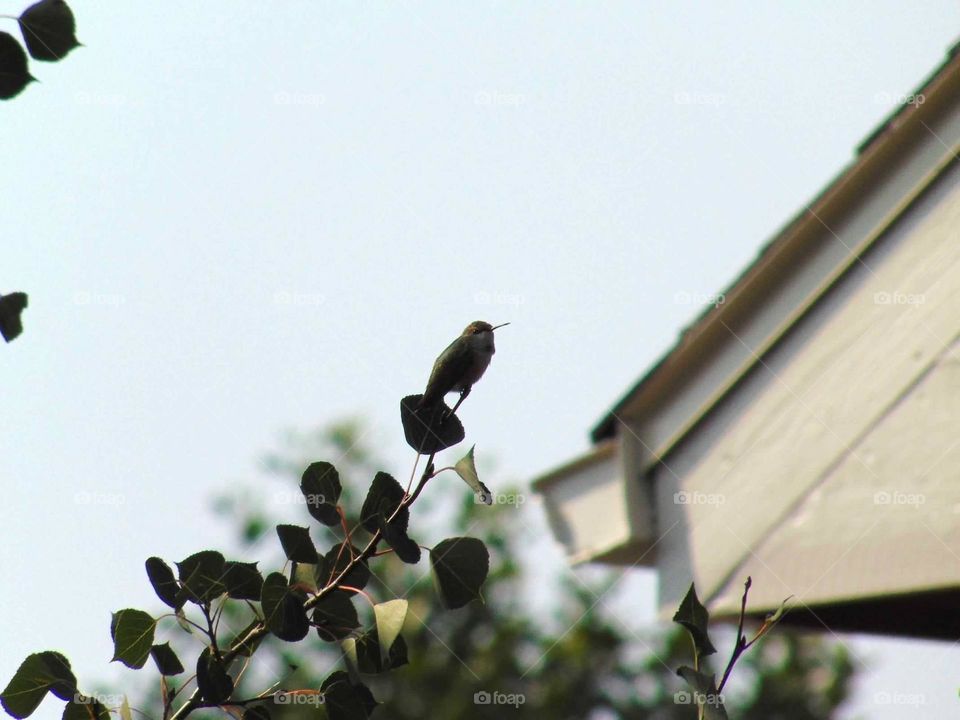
(498,326)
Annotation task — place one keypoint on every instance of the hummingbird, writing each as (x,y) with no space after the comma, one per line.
(461,364)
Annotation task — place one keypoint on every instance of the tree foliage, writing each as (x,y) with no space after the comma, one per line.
(48,30)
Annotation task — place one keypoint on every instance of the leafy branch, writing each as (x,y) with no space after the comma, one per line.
(314,591)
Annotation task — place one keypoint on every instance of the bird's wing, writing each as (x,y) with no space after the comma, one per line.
(447,370)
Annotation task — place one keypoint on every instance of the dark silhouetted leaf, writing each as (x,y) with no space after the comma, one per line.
(242,580)
(38,674)
(283,609)
(12,305)
(257,712)
(335,616)
(385,495)
(460,566)
(49,30)
(297,544)
(405,548)
(202,576)
(429,430)
(694,617)
(364,652)
(321,488)
(132,633)
(213,681)
(345,700)
(336,561)
(245,647)
(163,581)
(82,707)
(14,77)
(166,659)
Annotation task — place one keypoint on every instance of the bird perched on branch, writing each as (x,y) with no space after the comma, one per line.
(460,365)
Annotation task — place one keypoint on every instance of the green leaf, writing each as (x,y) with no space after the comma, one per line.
(466,469)
(704,693)
(166,659)
(460,566)
(304,576)
(297,544)
(13,304)
(344,700)
(202,576)
(321,489)
(242,580)
(49,30)
(283,609)
(336,561)
(694,617)
(213,681)
(39,673)
(390,616)
(132,633)
(163,581)
(85,708)
(429,430)
(14,77)
(125,712)
(385,495)
(335,616)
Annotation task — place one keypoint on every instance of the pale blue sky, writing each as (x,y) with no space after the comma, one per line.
(234,218)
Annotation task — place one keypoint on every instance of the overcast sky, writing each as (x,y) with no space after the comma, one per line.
(235,218)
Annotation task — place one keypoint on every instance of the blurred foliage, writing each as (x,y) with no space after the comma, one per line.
(592,667)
